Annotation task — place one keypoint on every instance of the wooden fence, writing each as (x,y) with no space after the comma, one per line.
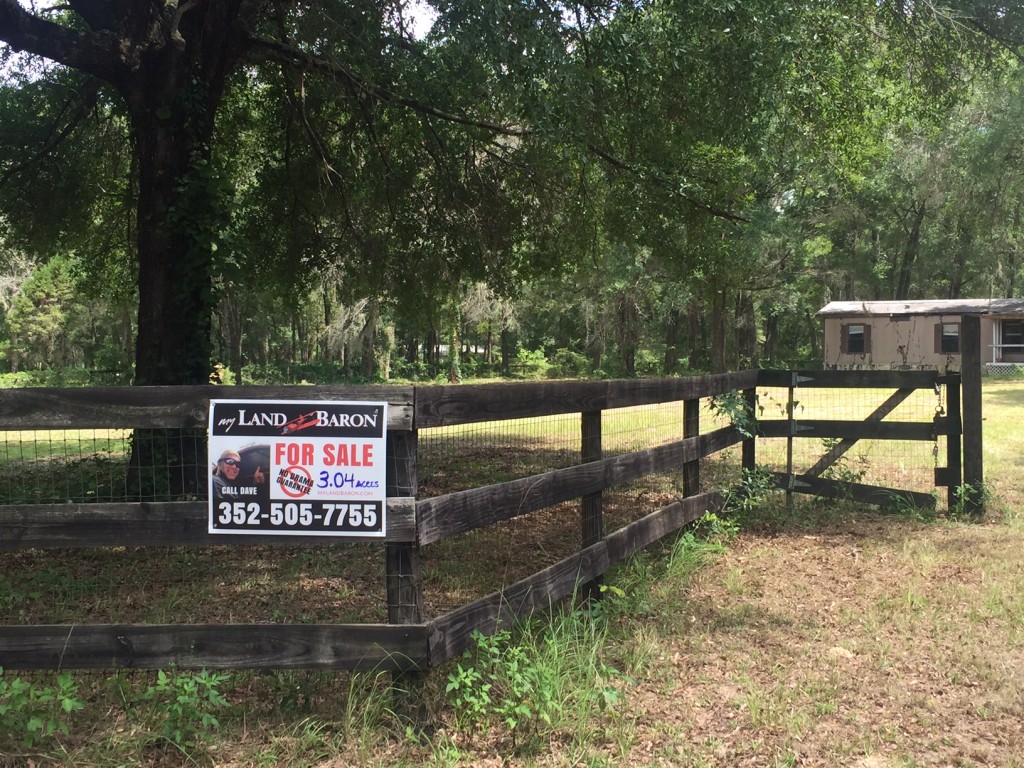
(410,640)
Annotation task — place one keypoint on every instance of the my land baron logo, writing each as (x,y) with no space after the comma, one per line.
(289,424)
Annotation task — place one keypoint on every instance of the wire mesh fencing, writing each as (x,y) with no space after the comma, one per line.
(103,465)
(459,458)
(887,463)
(301,582)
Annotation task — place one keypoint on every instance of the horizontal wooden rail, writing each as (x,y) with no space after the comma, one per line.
(865,494)
(450,634)
(455,513)
(169,407)
(854,430)
(52,526)
(469,403)
(869,379)
(214,646)
(629,540)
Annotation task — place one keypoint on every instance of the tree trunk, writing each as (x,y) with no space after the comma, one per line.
(325,291)
(746,331)
(696,334)
(370,339)
(814,331)
(959,265)
(178,217)
(233,315)
(431,352)
(506,342)
(384,351)
(455,344)
(718,364)
(627,330)
(771,338)
(910,252)
(412,349)
(671,360)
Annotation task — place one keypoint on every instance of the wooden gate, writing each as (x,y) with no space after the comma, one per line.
(843,435)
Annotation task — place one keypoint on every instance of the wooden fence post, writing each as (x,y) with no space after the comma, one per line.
(403,575)
(691,428)
(794,378)
(404,581)
(973,489)
(591,504)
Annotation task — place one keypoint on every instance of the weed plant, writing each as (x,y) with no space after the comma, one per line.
(698,544)
(186,702)
(32,713)
(532,681)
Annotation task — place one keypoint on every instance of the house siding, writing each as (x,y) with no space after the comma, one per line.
(906,341)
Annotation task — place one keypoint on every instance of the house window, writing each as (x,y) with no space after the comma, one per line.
(947,338)
(856,339)
(1013,332)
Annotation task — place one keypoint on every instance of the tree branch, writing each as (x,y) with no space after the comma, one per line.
(85,106)
(94,53)
(291,56)
(286,54)
(995,37)
(665,182)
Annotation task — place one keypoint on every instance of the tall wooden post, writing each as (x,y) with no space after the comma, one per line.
(591,504)
(691,428)
(973,488)
(790,409)
(404,580)
(403,575)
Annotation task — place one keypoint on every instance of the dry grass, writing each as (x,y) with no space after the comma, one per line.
(866,641)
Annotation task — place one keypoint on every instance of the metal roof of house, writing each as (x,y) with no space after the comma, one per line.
(924,307)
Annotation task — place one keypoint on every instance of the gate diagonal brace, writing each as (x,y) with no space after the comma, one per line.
(840,449)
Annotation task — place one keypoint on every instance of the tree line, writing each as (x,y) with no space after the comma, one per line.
(256,190)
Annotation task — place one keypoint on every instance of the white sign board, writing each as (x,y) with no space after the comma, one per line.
(298,468)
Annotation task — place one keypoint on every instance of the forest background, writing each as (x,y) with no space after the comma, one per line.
(373,189)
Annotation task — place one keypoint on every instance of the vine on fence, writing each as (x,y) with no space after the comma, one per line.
(738,410)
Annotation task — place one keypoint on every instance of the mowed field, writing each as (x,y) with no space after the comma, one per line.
(822,635)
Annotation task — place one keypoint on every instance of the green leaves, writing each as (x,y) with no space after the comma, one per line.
(35,713)
(186,702)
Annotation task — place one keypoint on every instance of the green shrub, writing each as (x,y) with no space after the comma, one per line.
(531,364)
(185,702)
(647,363)
(532,681)
(569,364)
(32,712)
(737,409)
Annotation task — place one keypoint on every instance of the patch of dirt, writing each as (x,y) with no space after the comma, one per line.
(870,643)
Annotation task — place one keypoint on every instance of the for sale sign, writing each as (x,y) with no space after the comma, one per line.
(311,468)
